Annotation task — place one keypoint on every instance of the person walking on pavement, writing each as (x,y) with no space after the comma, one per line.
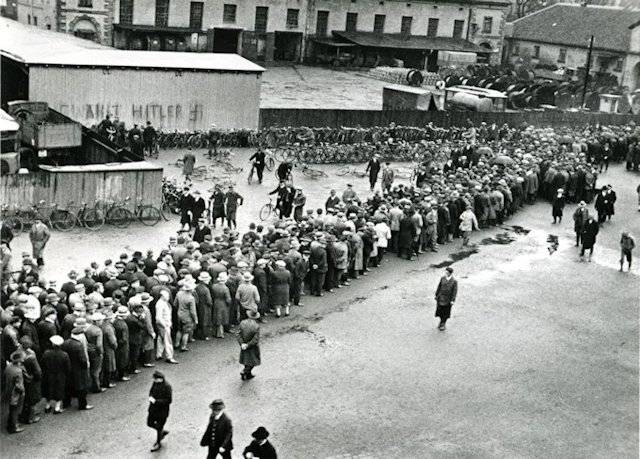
(445,296)
(373,168)
(218,436)
(580,217)
(189,161)
(627,244)
(39,235)
(260,447)
(558,206)
(588,236)
(249,340)
(160,398)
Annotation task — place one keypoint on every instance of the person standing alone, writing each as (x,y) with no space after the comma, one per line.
(373,168)
(39,236)
(219,434)
(160,398)
(445,296)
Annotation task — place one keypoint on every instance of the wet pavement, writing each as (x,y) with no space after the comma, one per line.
(540,358)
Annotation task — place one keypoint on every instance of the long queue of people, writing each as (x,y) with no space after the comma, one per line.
(117,317)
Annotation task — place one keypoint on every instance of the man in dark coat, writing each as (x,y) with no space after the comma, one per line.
(218,436)
(406,236)
(373,168)
(201,231)
(32,382)
(56,368)
(589,233)
(580,217)
(445,296)
(47,328)
(249,340)
(260,281)
(121,330)
(258,159)
(13,390)
(160,398)
(137,326)
(260,447)
(204,306)
(318,264)
(79,379)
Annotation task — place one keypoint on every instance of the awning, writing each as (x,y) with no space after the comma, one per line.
(330,41)
(415,42)
(154,29)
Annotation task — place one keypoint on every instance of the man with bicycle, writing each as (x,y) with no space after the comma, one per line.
(258,163)
(284,171)
(214,137)
(149,137)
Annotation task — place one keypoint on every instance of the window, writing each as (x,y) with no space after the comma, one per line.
(618,67)
(195,15)
(378,23)
(352,22)
(322,22)
(432,29)
(126,11)
(35,20)
(405,25)
(28,19)
(162,13)
(536,51)
(85,3)
(262,17)
(516,49)
(562,56)
(458,25)
(228,13)
(292,18)
(487,24)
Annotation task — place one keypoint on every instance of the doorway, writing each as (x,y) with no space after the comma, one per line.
(287,46)
(226,40)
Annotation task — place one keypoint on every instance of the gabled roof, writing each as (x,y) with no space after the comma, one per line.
(38,47)
(398,41)
(573,25)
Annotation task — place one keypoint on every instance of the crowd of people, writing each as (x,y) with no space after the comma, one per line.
(118,316)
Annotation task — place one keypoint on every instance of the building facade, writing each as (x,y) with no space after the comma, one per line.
(560,35)
(39,13)
(89,19)
(294,30)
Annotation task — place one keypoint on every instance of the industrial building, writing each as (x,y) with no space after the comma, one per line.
(87,81)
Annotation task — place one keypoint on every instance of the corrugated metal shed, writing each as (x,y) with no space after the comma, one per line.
(33,46)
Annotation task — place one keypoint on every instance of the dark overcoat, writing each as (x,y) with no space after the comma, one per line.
(280,281)
(407,233)
(79,378)
(159,411)
(219,434)
(56,368)
(249,334)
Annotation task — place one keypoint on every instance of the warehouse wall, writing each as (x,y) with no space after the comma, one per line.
(169,99)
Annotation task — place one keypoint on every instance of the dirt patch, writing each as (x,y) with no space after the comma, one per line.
(500,238)
(516,229)
(552,239)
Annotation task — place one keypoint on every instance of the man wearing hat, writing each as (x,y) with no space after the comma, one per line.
(187,313)
(47,327)
(232,201)
(204,306)
(13,389)
(373,168)
(109,346)
(260,447)
(55,368)
(121,330)
(249,340)
(580,217)
(79,379)
(445,296)
(202,230)
(160,398)
(247,295)
(95,350)
(39,235)
(218,436)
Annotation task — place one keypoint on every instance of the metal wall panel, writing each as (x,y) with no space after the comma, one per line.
(171,100)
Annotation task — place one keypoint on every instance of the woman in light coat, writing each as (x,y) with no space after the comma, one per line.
(468,223)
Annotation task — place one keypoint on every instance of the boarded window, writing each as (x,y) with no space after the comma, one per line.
(562,56)
(322,23)
(458,26)
(292,18)
(262,17)
(352,22)
(162,13)
(536,51)
(229,13)
(378,23)
(405,25)
(432,28)
(195,15)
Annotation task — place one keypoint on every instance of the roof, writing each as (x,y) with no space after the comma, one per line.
(108,167)
(399,41)
(38,47)
(573,25)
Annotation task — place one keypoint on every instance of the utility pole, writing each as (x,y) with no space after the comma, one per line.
(588,68)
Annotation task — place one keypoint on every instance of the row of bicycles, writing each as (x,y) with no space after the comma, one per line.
(116,213)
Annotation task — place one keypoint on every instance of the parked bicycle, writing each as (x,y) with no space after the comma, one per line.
(350,170)
(9,215)
(147,214)
(85,216)
(267,210)
(115,213)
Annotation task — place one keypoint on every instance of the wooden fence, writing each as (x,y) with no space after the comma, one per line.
(276,117)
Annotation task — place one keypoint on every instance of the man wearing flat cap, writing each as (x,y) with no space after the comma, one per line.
(445,296)
(218,436)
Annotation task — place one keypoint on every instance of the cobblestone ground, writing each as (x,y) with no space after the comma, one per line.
(540,358)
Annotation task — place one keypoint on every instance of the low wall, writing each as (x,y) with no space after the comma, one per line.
(278,117)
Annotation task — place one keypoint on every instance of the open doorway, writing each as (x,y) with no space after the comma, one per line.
(287,46)
(226,40)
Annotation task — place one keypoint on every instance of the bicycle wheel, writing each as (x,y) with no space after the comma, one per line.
(266,211)
(119,217)
(270,163)
(92,219)
(195,141)
(149,215)
(343,171)
(15,223)
(63,220)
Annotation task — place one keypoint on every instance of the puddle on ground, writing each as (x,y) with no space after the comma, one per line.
(456,256)
(500,238)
